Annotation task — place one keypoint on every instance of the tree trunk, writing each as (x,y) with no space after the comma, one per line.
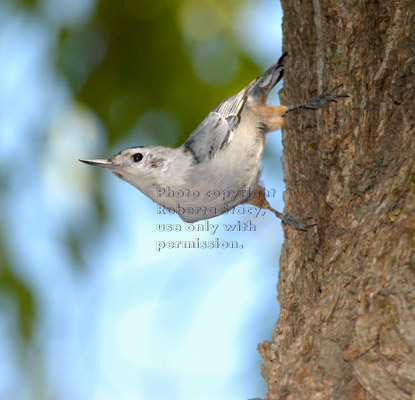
(346,288)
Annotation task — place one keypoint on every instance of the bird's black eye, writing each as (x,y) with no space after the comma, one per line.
(137,157)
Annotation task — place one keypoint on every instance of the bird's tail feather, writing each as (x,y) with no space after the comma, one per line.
(265,83)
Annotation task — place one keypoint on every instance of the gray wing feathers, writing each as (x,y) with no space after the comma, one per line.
(215,131)
(232,106)
(208,137)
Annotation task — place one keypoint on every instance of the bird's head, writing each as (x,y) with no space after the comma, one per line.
(145,167)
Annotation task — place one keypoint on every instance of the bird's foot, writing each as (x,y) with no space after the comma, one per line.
(299,223)
(319,101)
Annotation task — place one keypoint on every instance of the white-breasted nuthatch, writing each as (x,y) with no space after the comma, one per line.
(218,166)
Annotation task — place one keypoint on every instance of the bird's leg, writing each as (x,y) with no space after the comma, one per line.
(260,201)
(319,101)
(272,118)
(299,223)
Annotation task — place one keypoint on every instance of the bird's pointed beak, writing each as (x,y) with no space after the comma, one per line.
(100,163)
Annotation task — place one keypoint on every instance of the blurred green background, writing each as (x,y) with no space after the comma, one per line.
(85,78)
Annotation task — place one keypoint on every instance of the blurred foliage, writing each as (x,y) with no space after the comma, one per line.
(26,2)
(16,297)
(169,60)
(137,56)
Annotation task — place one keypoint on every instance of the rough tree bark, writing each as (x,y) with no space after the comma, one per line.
(346,287)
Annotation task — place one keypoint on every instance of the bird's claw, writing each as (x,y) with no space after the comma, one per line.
(319,101)
(325,98)
(299,223)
